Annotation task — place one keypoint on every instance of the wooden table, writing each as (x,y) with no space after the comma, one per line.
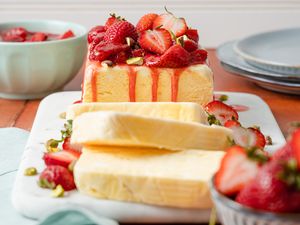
(286,108)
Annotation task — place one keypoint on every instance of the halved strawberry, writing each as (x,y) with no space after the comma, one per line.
(61,158)
(104,50)
(221,111)
(67,34)
(157,41)
(198,56)
(235,172)
(17,34)
(94,32)
(67,142)
(38,36)
(118,32)
(171,23)
(138,52)
(54,175)
(146,22)
(190,45)
(232,123)
(295,144)
(260,138)
(192,34)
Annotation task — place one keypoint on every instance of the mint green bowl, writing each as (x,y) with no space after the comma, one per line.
(31,70)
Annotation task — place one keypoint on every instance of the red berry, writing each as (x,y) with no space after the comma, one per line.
(94,32)
(192,34)
(235,172)
(157,41)
(152,60)
(38,36)
(118,32)
(17,34)
(221,111)
(67,34)
(171,23)
(198,56)
(120,58)
(232,123)
(67,142)
(138,52)
(146,22)
(104,50)
(61,158)
(111,20)
(55,175)
(260,138)
(295,145)
(190,45)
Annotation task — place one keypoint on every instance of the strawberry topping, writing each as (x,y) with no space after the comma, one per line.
(190,45)
(67,34)
(146,22)
(198,56)
(104,50)
(192,34)
(118,32)
(157,41)
(38,36)
(17,34)
(232,123)
(97,31)
(260,138)
(61,158)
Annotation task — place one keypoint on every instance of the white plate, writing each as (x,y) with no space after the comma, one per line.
(276,51)
(33,201)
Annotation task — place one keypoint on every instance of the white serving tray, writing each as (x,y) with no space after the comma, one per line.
(32,201)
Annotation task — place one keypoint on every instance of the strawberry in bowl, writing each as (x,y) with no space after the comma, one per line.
(252,187)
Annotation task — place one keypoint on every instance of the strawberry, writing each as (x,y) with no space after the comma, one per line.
(260,138)
(55,175)
(157,41)
(243,137)
(152,60)
(104,50)
(120,58)
(198,56)
(67,141)
(67,34)
(192,34)
(295,144)
(17,34)
(232,123)
(38,36)
(171,23)
(94,32)
(146,22)
(61,158)
(221,111)
(269,192)
(118,32)
(190,45)
(138,52)
(111,20)
(284,153)
(237,169)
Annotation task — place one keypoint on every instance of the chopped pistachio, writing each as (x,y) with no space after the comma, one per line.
(62,115)
(135,61)
(256,127)
(58,192)
(52,145)
(180,41)
(130,41)
(223,98)
(172,35)
(185,38)
(269,140)
(44,183)
(213,120)
(71,165)
(30,171)
(106,63)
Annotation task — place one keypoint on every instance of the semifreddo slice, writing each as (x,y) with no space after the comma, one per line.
(155,176)
(124,129)
(182,111)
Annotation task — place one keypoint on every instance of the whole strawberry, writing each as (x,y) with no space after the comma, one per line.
(112,19)
(118,32)
(54,175)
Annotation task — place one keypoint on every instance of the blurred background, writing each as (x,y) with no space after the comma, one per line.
(217,20)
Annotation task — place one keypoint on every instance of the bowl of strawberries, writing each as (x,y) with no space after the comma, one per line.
(253,187)
(39,57)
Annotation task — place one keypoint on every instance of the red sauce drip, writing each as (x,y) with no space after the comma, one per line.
(155,77)
(240,108)
(94,85)
(174,83)
(132,82)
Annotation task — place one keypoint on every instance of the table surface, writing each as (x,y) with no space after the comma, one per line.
(286,108)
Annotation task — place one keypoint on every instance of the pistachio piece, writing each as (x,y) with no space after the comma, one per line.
(52,145)
(106,63)
(223,98)
(58,192)
(135,61)
(130,41)
(30,171)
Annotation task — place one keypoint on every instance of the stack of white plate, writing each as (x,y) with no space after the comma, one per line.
(271,60)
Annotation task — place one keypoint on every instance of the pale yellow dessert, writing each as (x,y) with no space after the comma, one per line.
(124,129)
(155,176)
(182,111)
(124,83)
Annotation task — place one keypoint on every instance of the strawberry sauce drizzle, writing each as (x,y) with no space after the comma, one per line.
(132,82)
(94,85)
(174,83)
(155,77)
(240,108)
